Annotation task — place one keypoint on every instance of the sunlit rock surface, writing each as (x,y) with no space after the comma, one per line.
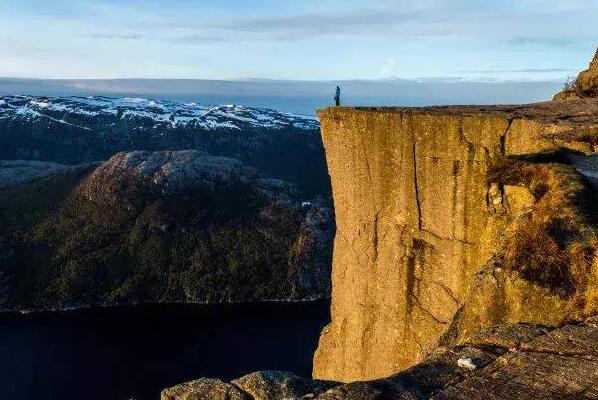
(436,209)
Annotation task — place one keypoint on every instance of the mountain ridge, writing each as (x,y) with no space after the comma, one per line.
(76,130)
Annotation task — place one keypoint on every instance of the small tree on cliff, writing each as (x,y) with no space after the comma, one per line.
(570,84)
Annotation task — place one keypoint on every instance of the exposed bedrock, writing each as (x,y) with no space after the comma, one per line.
(451,220)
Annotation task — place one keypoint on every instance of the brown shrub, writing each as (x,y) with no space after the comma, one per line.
(552,246)
(538,258)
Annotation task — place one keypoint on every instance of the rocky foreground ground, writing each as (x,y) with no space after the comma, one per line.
(520,361)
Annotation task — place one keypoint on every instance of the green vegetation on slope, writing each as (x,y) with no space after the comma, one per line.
(226,244)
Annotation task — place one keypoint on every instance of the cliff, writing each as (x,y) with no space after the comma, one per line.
(451,220)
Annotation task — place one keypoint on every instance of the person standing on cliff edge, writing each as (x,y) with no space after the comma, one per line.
(337,96)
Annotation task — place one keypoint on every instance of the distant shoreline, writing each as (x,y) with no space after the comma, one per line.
(143,305)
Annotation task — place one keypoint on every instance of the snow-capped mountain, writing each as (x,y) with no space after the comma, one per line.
(73,130)
(79,112)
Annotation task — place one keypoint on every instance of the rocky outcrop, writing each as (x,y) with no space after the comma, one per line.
(520,362)
(263,385)
(278,385)
(586,84)
(437,210)
(204,389)
(587,81)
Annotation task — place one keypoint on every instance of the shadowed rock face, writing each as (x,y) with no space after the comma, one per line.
(431,207)
(19,171)
(520,362)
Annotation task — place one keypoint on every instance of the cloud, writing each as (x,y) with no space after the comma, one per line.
(190,39)
(387,19)
(109,36)
(389,68)
(542,41)
(361,22)
(193,39)
(519,71)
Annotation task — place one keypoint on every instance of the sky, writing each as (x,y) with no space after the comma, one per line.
(506,40)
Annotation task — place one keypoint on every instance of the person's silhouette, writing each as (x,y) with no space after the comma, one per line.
(337,96)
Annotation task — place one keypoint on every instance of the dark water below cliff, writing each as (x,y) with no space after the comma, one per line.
(134,352)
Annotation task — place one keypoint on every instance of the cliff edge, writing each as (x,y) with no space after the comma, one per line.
(454,219)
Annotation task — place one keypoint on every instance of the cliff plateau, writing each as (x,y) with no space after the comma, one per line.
(451,220)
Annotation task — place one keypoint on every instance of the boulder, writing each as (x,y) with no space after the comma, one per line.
(278,385)
(203,389)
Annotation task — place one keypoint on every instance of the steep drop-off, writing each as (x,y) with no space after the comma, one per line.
(451,220)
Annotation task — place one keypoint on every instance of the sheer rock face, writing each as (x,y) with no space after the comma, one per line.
(422,221)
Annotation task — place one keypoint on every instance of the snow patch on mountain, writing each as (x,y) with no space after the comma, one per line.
(79,112)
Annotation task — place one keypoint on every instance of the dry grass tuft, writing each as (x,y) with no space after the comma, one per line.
(553,246)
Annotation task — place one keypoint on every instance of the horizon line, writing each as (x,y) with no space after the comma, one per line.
(447,79)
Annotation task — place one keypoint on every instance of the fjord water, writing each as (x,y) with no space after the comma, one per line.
(133,352)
